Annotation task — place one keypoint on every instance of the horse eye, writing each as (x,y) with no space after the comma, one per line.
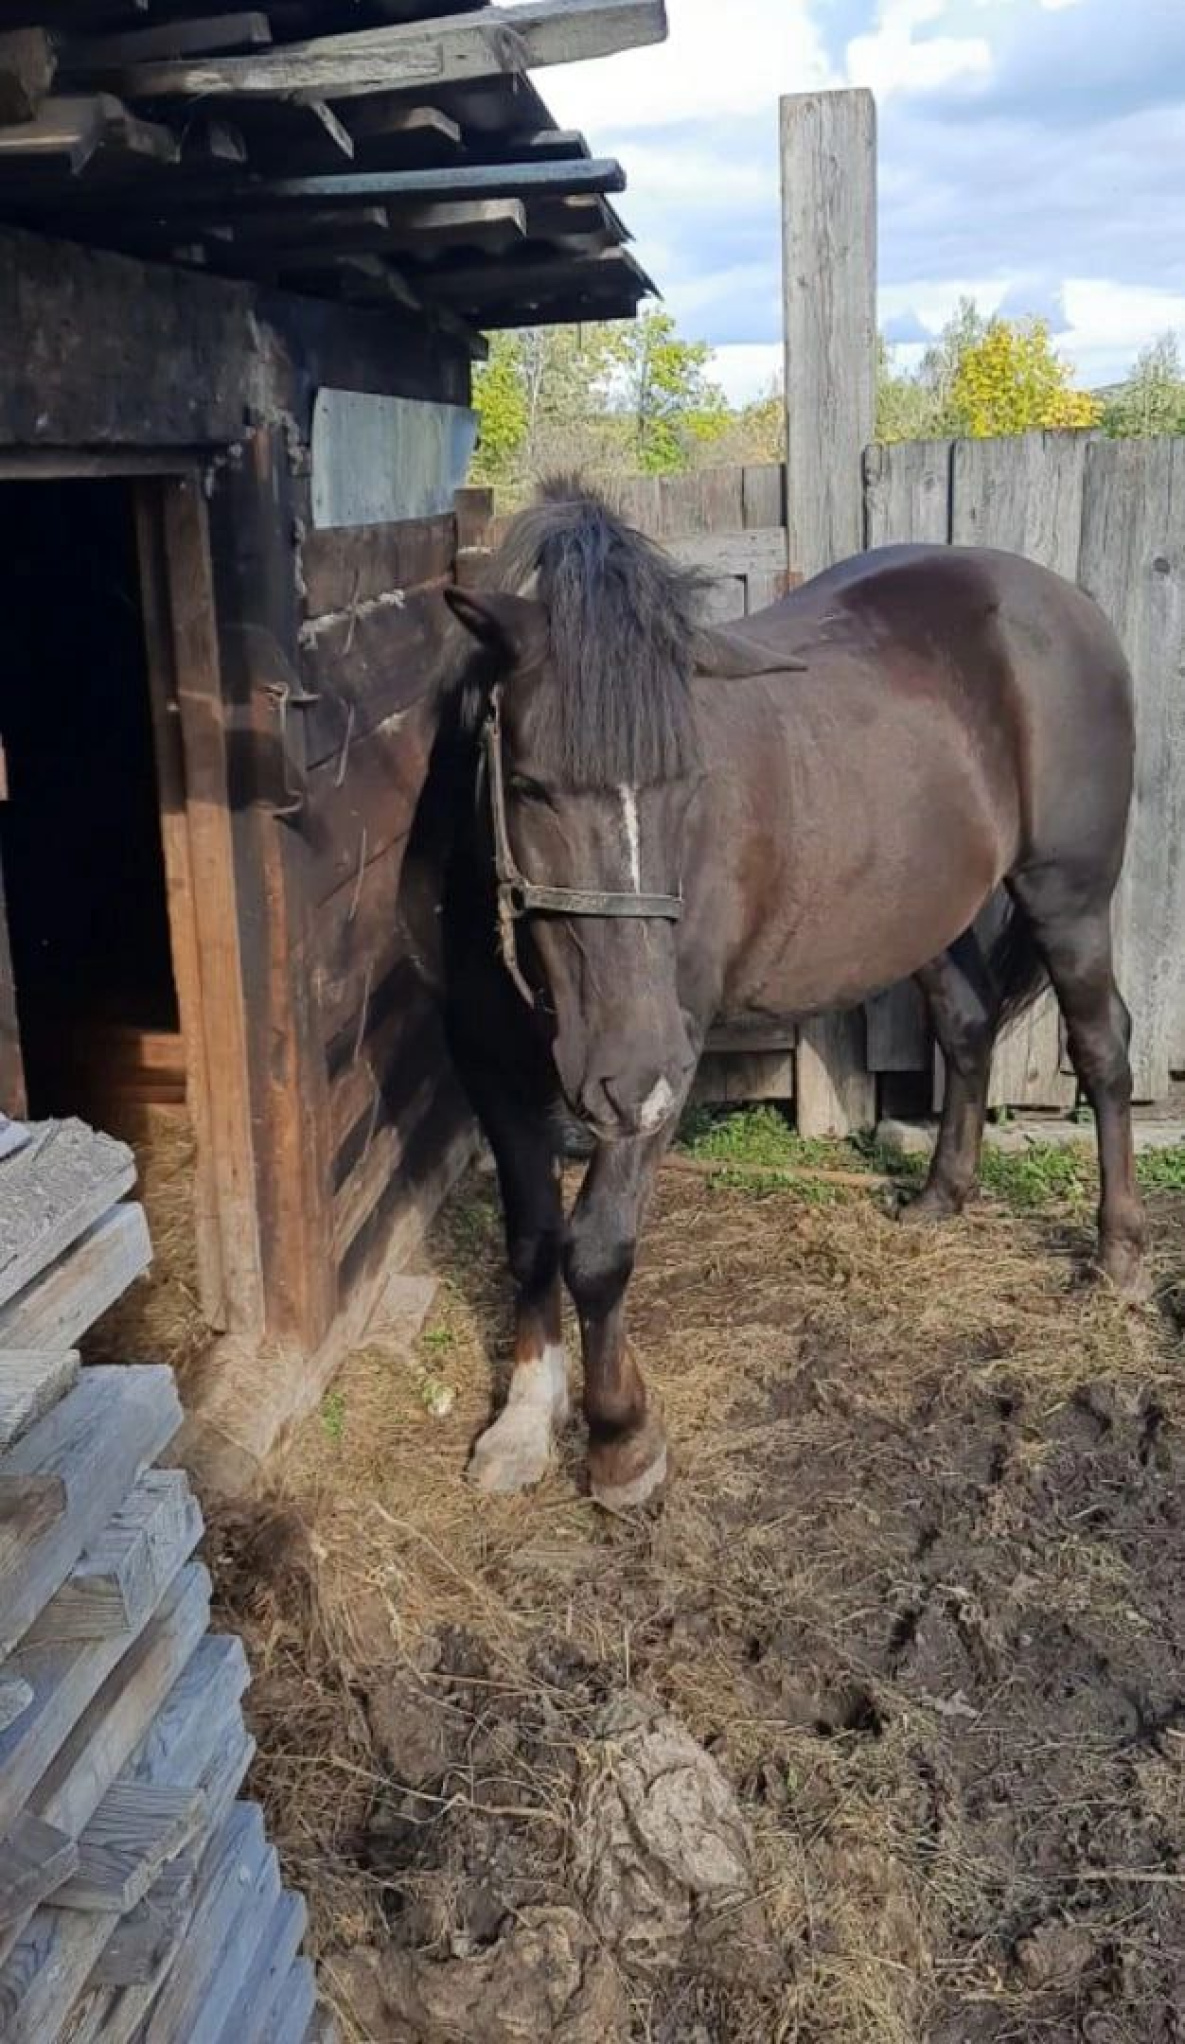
(531,791)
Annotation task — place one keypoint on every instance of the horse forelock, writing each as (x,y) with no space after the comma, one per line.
(623,620)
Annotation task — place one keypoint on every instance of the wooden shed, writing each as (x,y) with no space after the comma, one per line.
(245,259)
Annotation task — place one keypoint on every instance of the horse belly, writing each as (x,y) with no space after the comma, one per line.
(879,887)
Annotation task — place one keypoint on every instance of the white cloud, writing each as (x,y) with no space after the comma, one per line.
(889,60)
(722,57)
(746,369)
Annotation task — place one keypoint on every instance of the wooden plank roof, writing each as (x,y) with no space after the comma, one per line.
(399,146)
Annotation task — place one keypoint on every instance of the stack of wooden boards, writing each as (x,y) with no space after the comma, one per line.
(391,152)
(138,1897)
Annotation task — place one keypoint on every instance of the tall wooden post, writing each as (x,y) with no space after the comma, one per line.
(828,153)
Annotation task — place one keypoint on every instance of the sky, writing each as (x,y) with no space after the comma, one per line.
(1031,154)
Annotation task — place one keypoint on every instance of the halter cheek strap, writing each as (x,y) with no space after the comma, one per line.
(519,897)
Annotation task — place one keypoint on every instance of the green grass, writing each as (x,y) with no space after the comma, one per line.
(765,1154)
(333,1415)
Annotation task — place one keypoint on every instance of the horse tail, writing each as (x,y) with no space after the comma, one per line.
(1014,960)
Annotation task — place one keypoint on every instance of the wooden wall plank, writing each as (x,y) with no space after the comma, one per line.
(763,492)
(1133,563)
(254,516)
(354,565)
(181,895)
(357,948)
(365,669)
(828,173)
(13,1098)
(906,498)
(1024,494)
(361,802)
(907,492)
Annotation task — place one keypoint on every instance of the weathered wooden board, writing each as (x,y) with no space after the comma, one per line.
(295,2008)
(46,1970)
(435,1154)
(35,1859)
(828,169)
(363,801)
(51,1757)
(237,1859)
(415,55)
(357,564)
(366,668)
(907,493)
(92,1444)
(13,1096)
(710,501)
(51,1192)
(763,495)
(376,1151)
(189,688)
(907,497)
(135,1829)
(1024,494)
(732,553)
(31,1381)
(260,1993)
(361,954)
(123,1573)
(1133,563)
(374,1085)
(69,1298)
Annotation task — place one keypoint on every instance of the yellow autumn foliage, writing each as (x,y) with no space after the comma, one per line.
(1012,380)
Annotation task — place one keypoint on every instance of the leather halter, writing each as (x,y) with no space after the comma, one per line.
(519,897)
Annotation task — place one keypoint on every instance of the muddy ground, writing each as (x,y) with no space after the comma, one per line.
(873,1730)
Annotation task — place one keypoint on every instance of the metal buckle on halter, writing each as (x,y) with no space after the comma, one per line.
(519,897)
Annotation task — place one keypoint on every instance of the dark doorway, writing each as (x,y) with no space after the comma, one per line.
(80,838)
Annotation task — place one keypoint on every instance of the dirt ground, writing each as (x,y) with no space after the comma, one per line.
(873,1730)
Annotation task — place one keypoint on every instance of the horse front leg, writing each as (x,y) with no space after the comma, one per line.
(514,1452)
(627,1453)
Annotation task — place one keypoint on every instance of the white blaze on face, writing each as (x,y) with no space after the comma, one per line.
(633,841)
(655,1108)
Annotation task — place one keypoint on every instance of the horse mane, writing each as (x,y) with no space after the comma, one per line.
(623,621)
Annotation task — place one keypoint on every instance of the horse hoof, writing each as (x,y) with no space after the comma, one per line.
(1126,1270)
(927,1210)
(630,1473)
(514,1454)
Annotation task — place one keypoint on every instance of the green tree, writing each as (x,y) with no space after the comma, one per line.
(906,408)
(501,402)
(982,377)
(1012,380)
(663,387)
(1153,398)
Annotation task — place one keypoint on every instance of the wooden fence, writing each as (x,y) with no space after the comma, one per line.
(1107,514)
(138,1896)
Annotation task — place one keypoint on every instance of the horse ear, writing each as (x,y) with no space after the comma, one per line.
(511,627)
(731,655)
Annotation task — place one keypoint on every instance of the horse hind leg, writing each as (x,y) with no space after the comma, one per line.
(964,1006)
(1073,931)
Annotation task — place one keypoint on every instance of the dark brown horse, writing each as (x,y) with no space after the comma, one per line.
(673,825)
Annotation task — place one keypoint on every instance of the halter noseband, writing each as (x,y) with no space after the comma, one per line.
(519,897)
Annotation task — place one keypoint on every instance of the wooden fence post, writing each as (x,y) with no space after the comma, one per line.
(828,155)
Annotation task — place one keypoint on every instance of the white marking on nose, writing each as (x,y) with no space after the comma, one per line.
(633,841)
(655,1108)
